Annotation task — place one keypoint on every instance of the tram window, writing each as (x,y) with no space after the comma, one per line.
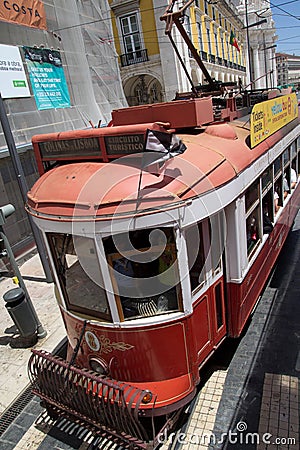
(253,223)
(252,194)
(217,243)
(286,157)
(144,272)
(197,255)
(219,305)
(293,150)
(253,230)
(268,212)
(78,271)
(287,181)
(267,179)
(277,166)
(294,176)
(278,195)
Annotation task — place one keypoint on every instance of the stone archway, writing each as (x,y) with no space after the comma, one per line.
(143,89)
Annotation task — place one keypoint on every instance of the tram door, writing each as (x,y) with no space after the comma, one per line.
(207,285)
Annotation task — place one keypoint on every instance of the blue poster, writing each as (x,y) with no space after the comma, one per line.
(47,78)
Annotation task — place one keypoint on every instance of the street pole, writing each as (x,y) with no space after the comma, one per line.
(41,332)
(23,186)
(265,57)
(248,44)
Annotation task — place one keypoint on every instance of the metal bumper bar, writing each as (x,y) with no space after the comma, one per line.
(99,404)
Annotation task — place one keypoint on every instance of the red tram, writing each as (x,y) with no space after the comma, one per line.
(156,258)
(162,230)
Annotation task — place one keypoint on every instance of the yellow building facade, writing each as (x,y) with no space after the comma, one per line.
(150,70)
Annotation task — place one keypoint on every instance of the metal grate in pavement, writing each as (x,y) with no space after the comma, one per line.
(15,408)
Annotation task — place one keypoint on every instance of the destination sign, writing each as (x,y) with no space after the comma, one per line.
(62,149)
(268,117)
(125,144)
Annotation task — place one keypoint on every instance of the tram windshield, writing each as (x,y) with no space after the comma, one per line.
(144,272)
(76,262)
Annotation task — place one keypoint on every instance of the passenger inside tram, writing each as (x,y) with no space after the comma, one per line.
(286,188)
(267,223)
(252,233)
(293,178)
(143,284)
(277,197)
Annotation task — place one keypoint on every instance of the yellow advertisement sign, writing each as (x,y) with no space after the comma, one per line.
(24,12)
(268,117)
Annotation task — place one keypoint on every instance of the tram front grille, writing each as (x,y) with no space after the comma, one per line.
(100,404)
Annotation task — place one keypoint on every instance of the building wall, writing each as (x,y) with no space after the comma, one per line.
(261,66)
(17,227)
(161,64)
(288,69)
(82,32)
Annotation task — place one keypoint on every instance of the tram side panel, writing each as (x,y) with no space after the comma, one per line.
(243,296)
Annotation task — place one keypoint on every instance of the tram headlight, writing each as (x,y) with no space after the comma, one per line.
(147,397)
(99,365)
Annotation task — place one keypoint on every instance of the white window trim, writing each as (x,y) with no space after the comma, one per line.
(120,32)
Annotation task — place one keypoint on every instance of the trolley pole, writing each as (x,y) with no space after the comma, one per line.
(6,211)
(23,187)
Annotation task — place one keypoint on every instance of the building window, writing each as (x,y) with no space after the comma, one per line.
(206,7)
(130,33)
(200,36)
(208,40)
(216,43)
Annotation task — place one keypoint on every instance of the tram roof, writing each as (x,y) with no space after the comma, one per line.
(214,156)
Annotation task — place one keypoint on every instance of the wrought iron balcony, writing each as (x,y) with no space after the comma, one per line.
(127,59)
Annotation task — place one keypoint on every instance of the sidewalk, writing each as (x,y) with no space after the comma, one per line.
(13,360)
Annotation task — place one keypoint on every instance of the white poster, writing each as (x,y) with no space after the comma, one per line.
(13,82)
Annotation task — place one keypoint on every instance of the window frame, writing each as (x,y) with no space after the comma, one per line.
(131,33)
(111,257)
(73,307)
